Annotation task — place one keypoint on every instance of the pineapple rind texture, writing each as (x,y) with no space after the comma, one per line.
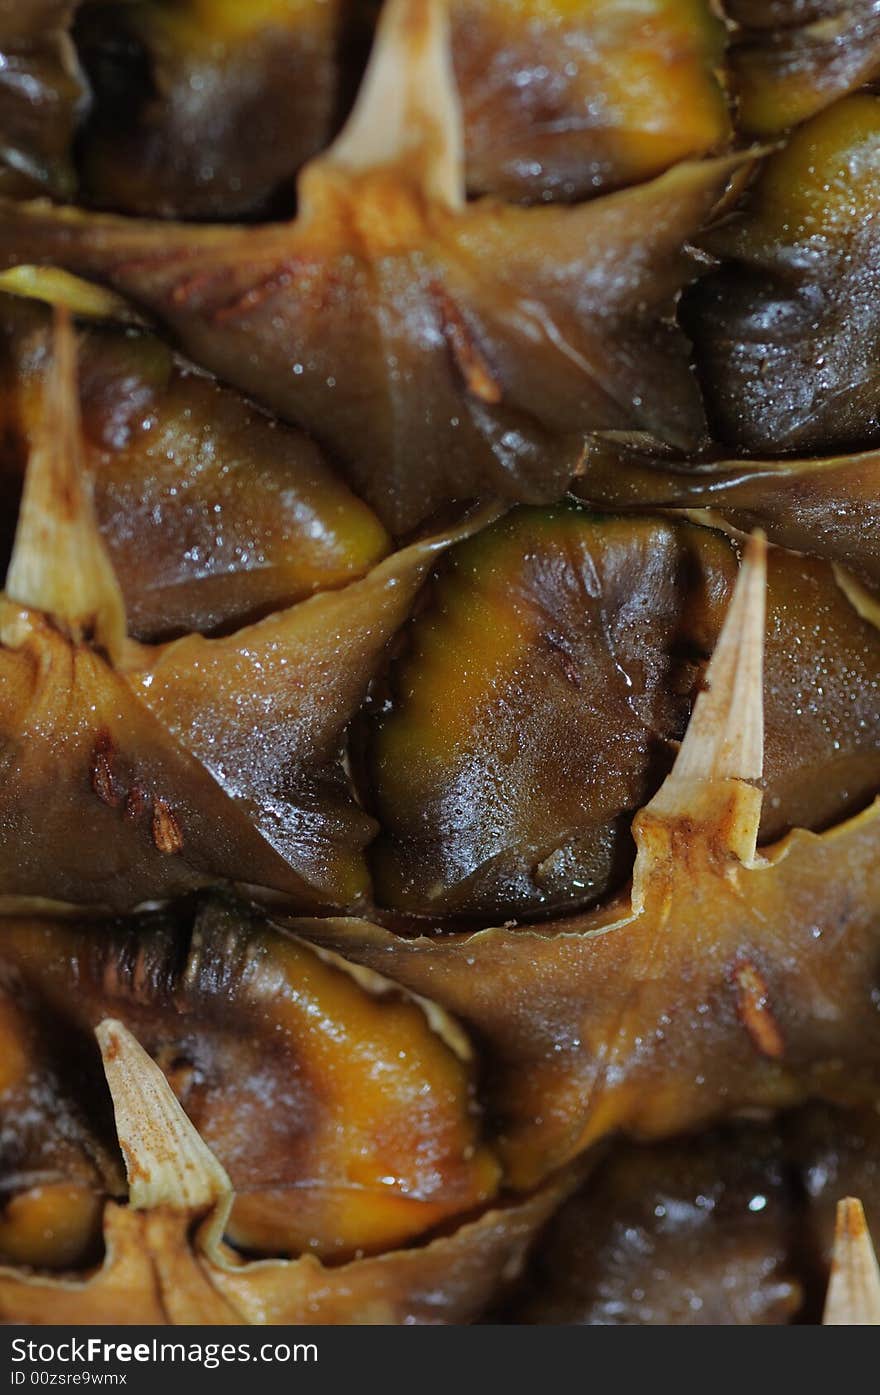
(439,662)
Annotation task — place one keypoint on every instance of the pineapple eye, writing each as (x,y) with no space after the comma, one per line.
(665,1234)
(733,1228)
(533,709)
(544,685)
(212,514)
(563,100)
(344,1111)
(166,1258)
(786,331)
(206,111)
(788,60)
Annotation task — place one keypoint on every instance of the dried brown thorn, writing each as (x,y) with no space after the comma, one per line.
(854,1287)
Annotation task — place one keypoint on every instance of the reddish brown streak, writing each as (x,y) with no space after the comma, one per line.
(277,279)
(166,830)
(190,286)
(103,775)
(469,359)
(755,1012)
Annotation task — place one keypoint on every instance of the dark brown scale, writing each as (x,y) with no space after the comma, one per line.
(281,1059)
(544,686)
(732,1228)
(787,329)
(207,116)
(214,514)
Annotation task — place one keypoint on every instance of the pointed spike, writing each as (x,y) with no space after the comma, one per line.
(59,562)
(408,107)
(167,1161)
(725,736)
(707,796)
(854,1287)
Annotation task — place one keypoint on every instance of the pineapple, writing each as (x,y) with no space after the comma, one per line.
(439,662)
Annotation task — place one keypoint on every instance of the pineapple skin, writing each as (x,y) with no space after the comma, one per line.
(428,804)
